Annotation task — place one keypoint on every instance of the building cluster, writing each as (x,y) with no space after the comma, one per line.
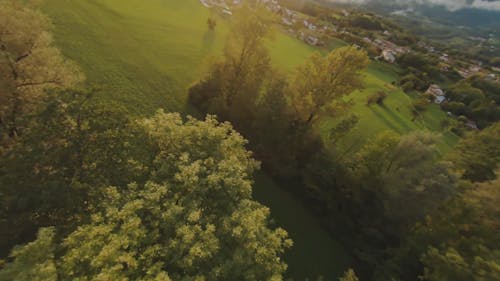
(437,93)
(313,31)
(389,50)
(221,5)
(301,26)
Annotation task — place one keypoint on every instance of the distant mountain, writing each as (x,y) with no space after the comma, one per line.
(452,12)
(469,17)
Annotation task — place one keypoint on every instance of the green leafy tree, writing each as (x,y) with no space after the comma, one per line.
(460,242)
(478,155)
(34,261)
(321,83)
(29,63)
(52,172)
(349,276)
(195,219)
(231,87)
(212,23)
(495,61)
(397,183)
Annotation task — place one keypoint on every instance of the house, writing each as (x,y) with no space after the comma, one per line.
(289,13)
(388,56)
(471,124)
(311,40)
(491,77)
(465,73)
(439,99)
(388,45)
(205,3)
(475,68)
(438,94)
(445,67)
(445,57)
(309,25)
(286,21)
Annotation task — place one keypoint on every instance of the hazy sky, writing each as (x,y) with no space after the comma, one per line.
(450,4)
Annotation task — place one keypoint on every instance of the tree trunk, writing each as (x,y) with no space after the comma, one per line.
(16,107)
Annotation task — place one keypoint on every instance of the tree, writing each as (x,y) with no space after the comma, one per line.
(366,22)
(212,23)
(403,172)
(53,171)
(495,61)
(378,98)
(418,106)
(349,276)
(478,154)
(232,85)
(194,220)
(460,242)
(464,92)
(271,133)
(321,83)
(396,183)
(34,261)
(29,64)
(457,108)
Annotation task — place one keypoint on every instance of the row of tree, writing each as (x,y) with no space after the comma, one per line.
(476,98)
(372,198)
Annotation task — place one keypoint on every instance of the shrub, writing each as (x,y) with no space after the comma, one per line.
(377,98)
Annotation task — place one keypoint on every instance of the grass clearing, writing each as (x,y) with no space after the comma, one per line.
(144,56)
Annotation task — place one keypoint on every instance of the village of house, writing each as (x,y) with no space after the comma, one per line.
(317,32)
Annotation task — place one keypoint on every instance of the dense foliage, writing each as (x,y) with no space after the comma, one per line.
(475,98)
(29,64)
(95,194)
(393,181)
(193,217)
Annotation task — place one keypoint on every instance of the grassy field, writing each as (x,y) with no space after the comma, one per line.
(144,55)
(394,114)
(314,253)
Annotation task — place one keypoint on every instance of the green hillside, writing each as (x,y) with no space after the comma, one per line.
(132,51)
(144,55)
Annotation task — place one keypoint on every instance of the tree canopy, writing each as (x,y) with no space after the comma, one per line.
(193,220)
(29,63)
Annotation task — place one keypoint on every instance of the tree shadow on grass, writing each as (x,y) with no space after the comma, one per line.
(386,121)
(396,118)
(208,41)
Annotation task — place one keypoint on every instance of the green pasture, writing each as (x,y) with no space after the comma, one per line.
(143,56)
